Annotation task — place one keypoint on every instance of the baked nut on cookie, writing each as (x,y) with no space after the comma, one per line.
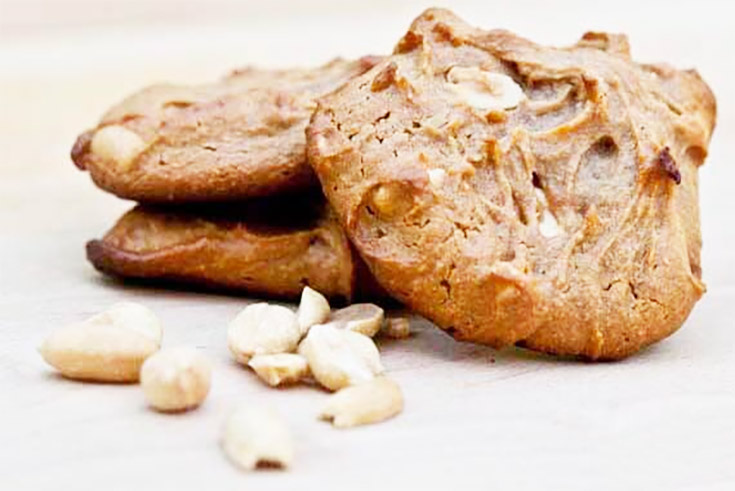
(270,247)
(520,194)
(235,139)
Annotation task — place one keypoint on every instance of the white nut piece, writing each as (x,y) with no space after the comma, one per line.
(255,437)
(365,318)
(437,177)
(280,369)
(397,328)
(117,144)
(108,347)
(262,329)
(176,379)
(313,309)
(371,402)
(547,225)
(339,358)
(484,90)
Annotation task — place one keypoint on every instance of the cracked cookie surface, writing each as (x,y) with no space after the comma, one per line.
(238,138)
(520,194)
(268,247)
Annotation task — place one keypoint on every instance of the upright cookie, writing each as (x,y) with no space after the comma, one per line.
(272,247)
(235,139)
(520,194)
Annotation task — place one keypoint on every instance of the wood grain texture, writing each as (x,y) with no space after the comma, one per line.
(474,418)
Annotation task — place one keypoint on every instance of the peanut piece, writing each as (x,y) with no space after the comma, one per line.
(384,200)
(371,402)
(257,437)
(339,358)
(108,347)
(397,328)
(176,379)
(261,329)
(280,369)
(489,91)
(365,318)
(547,225)
(118,145)
(313,309)
(391,200)
(437,177)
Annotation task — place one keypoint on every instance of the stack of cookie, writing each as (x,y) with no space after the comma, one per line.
(513,194)
(227,198)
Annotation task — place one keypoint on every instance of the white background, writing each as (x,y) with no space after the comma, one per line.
(664,419)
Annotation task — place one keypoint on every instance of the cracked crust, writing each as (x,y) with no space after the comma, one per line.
(272,248)
(566,221)
(238,138)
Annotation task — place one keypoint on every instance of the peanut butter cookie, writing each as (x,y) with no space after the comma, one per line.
(238,138)
(269,247)
(520,194)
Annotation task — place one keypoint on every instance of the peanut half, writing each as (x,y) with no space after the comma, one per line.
(362,404)
(261,329)
(176,379)
(255,437)
(365,318)
(339,358)
(313,309)
(108,347)
(280,368)
(484,90)
(117,145)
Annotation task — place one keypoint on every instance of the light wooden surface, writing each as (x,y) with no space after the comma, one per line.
(474,418)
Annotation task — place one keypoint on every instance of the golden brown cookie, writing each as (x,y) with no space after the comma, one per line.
(237,138)
(269,247)
(520,194)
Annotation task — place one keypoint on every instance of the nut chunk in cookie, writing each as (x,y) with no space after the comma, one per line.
(520,194)
(238,138)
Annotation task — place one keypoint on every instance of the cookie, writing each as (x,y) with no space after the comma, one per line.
(517,194)
(272,248)
(238,138)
